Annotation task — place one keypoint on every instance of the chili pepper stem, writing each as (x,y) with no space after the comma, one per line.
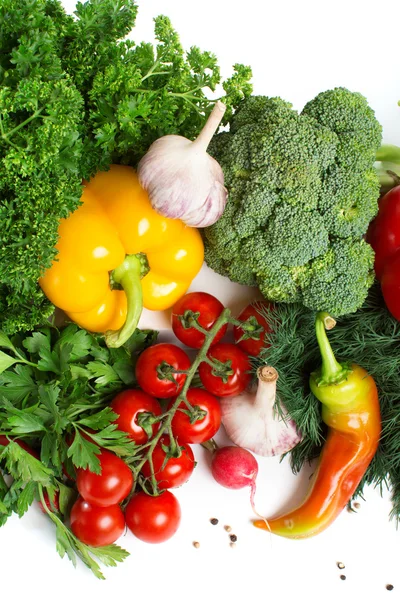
(331,370)
(128,275)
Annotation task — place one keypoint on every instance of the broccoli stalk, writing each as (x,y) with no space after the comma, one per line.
(302,192)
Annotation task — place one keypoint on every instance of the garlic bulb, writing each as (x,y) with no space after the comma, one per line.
(182,180)
(252,421)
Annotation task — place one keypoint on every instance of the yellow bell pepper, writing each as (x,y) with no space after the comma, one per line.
(116,254)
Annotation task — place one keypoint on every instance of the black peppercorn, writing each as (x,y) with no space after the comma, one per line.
(233,537)
(343,577)
(389,587)
(214,521)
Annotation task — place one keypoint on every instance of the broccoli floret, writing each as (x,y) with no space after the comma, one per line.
(340,279)
(301,193)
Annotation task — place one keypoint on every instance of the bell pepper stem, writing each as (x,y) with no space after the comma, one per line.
(331,370)
(128,275)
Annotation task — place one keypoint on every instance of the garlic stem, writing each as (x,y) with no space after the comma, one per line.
(204,138)
(266,390)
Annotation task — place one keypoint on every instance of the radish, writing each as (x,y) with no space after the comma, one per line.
(234,468)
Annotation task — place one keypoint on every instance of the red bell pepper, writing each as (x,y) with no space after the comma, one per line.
(384,237)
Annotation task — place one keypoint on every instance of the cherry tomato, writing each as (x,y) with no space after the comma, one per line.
(153,519)
(176,471)
(384,231)
(111,486)
(128,405)
(207,308)
(203,429)
(239,365)
(390,283)
(165,358)
(252,343)
(96,525)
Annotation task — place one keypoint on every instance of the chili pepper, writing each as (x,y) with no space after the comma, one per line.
(350,408)
(116,254)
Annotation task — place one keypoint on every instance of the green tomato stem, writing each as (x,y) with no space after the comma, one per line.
(223,319)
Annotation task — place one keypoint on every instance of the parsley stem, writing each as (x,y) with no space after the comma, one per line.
(8,134)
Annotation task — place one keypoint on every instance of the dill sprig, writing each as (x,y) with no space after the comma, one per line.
(371,338)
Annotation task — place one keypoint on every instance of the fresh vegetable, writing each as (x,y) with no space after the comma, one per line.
(76,96)
(55,390)
(153,519)
(182,180)
(154,265)
(172,464)
(384,237)
(161,370)
(350,409)
(133,406)
(226,372)
(97,525)
(384,231)
(234,468)
(192,312)
(110,486)
(257,419)
(252,340)
(307,178)
(206,408)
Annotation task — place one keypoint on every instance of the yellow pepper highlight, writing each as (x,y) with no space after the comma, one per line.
(115,240)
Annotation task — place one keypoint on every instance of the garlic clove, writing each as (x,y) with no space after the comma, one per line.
(182,180)
(252,421)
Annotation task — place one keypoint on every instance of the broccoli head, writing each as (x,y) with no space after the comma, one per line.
(302,192)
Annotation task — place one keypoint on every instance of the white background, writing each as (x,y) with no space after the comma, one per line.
(296,49)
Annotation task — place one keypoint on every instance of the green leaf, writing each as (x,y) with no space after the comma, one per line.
(36,342)
(110,555)
(6,361)
(26,498)
(50,361)
(22,422)
(99,420)
(84,453)
(25,468)
(5,341)
(67,496)
(17,384)
(125,371)
(103,373)
(79,341)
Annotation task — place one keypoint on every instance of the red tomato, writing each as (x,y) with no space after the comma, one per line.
(176,471)
(252,343)
(153,519)
(111,486)
(203,429)
(239,364)
(390,283)
(128,405)
(166,358)
(208,309)
(96,525)
(384,231)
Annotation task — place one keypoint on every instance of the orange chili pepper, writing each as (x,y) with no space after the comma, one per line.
(351,410)
(116,254)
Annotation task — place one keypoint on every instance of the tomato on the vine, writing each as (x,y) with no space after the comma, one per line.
(238,365)
(153,519)
(156,370)
(206,308)
(252,342)
(176,470)
(202,429)
(128,405)
(96,525)
(109,487)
